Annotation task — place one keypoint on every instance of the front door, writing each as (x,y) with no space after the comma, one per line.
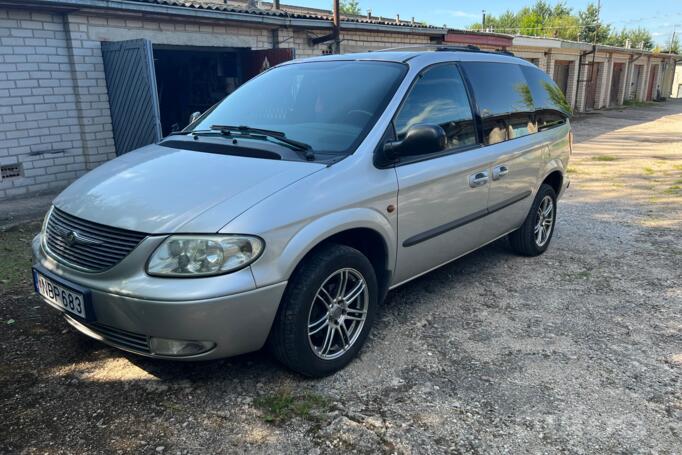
(442,196)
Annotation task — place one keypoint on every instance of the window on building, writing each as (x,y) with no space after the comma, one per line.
(439,97)
(504,99)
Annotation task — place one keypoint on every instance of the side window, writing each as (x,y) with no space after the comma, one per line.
(551,106)
(504,100)
(439,97)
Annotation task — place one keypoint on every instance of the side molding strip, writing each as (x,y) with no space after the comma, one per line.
(442,229)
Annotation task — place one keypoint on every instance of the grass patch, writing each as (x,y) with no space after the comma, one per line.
(648,170)
(635,103)
(572,170)
(604,158)
(284,406)
(15,255)
(675,189)
(677,167)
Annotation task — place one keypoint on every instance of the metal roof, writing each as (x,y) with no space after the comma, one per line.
(290,14)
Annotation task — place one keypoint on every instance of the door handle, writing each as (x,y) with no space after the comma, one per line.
(500,171)
(478,179)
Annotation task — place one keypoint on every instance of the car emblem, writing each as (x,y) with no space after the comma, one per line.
(72,237)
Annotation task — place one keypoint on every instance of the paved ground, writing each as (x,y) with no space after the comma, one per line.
(577,351)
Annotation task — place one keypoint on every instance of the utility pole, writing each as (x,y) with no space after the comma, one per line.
(672,40)
(483,21)
(337,27)
(596,27)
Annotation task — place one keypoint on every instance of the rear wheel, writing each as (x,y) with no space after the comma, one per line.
(534,235)
(326,312)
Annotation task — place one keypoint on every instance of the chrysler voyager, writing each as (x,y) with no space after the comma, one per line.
(284,214)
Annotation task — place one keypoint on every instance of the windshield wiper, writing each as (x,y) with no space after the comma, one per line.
(247,131)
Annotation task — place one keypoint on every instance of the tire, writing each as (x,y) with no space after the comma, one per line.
(304,301)
(525,240)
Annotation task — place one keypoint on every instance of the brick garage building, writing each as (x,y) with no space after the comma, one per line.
(55,108)
(81,80)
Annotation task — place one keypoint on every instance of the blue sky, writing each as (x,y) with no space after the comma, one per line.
(658,16)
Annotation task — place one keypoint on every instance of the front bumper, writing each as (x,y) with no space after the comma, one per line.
(236,323)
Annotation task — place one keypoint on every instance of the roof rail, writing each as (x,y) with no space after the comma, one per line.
(445,48)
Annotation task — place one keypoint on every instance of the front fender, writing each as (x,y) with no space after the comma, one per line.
(286,247)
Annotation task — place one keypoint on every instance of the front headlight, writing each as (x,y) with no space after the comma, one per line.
(203,255)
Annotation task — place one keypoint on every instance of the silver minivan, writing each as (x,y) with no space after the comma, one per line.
(284,214)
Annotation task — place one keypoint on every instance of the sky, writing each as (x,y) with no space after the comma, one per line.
(660,17)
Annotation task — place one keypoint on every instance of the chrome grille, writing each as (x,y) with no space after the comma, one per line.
(87,245)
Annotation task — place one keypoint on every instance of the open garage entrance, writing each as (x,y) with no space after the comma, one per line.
(193,80)
(153,89)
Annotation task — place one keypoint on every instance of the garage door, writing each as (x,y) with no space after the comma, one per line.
(133,99)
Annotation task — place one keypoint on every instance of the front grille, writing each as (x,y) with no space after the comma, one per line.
(117,337)
(87,245)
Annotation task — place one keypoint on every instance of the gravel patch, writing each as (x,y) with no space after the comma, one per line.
(577,351)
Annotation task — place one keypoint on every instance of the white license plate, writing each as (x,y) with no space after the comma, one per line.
(59,295)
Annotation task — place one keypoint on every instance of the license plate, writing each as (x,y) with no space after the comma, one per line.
(60,295)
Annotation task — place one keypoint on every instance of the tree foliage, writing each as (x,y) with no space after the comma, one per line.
(637,36)
(350,7)
(560,21)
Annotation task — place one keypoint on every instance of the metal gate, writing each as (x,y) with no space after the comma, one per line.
(133,98)
(616,81)
(593,73)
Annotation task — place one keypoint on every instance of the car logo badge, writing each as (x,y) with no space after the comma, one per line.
(72,237)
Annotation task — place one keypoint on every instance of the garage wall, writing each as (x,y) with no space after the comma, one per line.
(39,123)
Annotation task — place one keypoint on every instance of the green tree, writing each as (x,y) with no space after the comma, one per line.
(590,27)
(635,36)
(350,7)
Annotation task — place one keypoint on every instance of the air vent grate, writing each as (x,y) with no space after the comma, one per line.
(9,171)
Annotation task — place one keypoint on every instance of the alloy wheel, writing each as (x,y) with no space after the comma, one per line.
(338,313)
(545,221)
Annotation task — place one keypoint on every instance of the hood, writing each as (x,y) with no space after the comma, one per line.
(158,190)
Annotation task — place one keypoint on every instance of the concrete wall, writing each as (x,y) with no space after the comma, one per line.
(44,119)
(677,82)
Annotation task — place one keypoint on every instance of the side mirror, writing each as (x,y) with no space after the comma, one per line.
(194,116)
(420,139)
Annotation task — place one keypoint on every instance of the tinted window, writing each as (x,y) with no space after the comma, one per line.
(439,97)
(551,106)
(504,100)
(547,96)
(329,105)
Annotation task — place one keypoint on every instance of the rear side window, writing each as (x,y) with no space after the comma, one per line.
(504,98)
(551,106)
(439,97)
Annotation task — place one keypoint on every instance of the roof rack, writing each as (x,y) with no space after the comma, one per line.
(445,48)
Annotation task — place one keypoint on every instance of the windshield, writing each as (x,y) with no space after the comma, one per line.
(330,105)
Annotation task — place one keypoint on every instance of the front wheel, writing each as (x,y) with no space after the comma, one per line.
(534,235)
(326,312)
